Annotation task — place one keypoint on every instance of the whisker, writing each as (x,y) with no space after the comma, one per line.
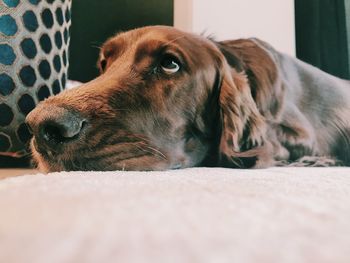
(97,45)
(147,141)
(152,151)
(157,151)
(142,149)
(142,138)
(99,48)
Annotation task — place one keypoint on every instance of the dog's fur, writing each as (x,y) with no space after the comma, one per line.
(234,103)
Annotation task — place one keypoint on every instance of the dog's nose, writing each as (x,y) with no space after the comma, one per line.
(55,125)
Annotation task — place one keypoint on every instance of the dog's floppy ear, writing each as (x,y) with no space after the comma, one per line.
(243,130)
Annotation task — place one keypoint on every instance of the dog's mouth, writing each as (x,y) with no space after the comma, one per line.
(124,155)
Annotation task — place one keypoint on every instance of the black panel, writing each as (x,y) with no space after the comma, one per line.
(94,21)
(321,35)
(8,162)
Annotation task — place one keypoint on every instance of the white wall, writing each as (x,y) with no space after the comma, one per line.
(270,20)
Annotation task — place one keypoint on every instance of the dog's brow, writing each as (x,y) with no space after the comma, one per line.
(152,47)
(149,47)
(173,40)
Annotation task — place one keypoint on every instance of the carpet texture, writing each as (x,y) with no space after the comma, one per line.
(193,215)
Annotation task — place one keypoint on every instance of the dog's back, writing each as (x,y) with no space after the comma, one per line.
(314,107)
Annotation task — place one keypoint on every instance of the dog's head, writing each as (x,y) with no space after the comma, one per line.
(165,99)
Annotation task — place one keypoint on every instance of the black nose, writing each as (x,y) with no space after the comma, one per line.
(61,130)
(55,126)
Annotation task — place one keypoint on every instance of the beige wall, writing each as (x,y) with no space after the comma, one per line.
(270,20)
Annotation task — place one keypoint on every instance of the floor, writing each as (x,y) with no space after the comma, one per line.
(191,215)
(5,173)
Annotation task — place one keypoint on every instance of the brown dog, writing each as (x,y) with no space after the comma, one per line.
(167,99)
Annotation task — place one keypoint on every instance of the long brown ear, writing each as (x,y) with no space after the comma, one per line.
(243,141)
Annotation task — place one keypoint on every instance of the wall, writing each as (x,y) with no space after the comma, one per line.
(270,20)
(90,28)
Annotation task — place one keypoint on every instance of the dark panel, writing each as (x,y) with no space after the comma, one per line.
(321,35)
(9,162)
(95,21)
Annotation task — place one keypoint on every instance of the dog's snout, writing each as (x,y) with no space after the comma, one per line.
(54,126)
(61,130)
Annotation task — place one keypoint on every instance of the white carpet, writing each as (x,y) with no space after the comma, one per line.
(194,215)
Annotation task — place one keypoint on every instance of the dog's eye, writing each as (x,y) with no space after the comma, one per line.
(170,64)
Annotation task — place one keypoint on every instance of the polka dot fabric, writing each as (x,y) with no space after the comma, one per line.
(34,40)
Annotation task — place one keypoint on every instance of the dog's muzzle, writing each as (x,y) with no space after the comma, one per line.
(55,127)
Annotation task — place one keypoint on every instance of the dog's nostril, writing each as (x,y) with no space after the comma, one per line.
(61,132)
(53,134)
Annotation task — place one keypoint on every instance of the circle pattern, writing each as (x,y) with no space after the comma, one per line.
(43,92)
(58,39)
(23,133)
(56,87)
(30,21)
(65,35)
(5,142)
(6,84)
(27,75)
(45,43)
(34,40)
(64,56)
(8,25)
(7,56)
(11,3)
(6,115)
(34,2)
(67,14)
(59,16)
(44,69)
(63,80)
(47,18)
(26,104)
(57,63)
(28,48)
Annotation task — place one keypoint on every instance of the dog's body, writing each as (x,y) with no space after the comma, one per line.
(308,114)
(168,99)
